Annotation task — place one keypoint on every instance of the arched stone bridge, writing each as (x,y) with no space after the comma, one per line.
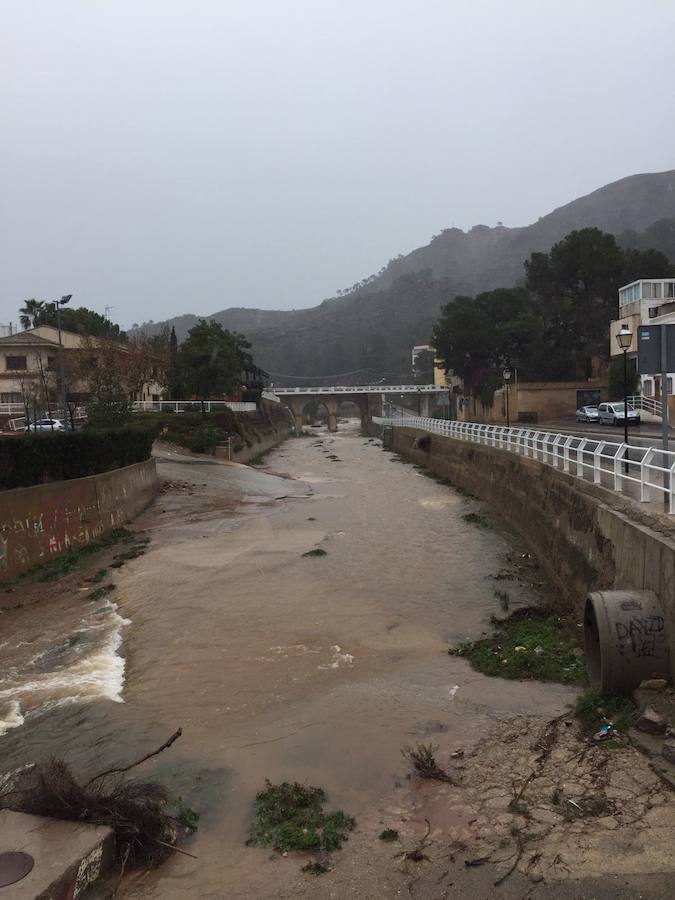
(369,398)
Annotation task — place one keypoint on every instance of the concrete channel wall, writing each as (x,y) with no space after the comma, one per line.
(48,520)
(584,536)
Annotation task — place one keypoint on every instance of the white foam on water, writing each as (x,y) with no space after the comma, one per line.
(10,716)
(97,675)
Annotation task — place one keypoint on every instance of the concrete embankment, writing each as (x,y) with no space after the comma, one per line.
(271,437)
(45,521)
(584,536)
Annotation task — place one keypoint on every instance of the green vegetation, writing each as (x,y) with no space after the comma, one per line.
(552,328)
(185,815)
(290,816)
(80,321)
(423,760)
(210,361)
(61,455)
(62,565)
(316,552)
(101,592)
(99,576)
(616,378)
(530,644)
(595,708)
(389,835)
(108,405)
(477,519)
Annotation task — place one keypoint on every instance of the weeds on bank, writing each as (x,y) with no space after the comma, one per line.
(477,519)
(290,816)
(57,568)
(595,708)
(389,835)
(530,644)
(101,592)
(504,599)
(421,757)
(185,815)
(316,552)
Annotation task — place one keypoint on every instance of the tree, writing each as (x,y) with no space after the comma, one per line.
(211,359)
(616,378)
(173,381)
(108,405)
(31,313)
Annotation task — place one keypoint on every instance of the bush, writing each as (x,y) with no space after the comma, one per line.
(62,455)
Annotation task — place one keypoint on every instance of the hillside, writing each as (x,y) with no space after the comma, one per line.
(375,325)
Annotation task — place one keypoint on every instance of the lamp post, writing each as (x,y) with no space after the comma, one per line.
(62,368)
(506,375)
(625,339)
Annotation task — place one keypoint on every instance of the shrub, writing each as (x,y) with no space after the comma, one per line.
(62,455)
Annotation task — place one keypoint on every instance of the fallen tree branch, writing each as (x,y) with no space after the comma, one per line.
(118,771)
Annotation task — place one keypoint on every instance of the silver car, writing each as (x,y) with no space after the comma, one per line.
(587,414)
(614,414)
(47,425)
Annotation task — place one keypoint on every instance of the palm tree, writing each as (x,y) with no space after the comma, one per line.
(31,313)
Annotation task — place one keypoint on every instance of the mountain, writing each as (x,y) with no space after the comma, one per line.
(375,324)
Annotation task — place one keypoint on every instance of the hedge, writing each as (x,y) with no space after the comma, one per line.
(61,455)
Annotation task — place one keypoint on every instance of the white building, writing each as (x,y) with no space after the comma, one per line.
(649,301)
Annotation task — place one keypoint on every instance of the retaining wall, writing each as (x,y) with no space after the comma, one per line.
(584,536)
(47,520)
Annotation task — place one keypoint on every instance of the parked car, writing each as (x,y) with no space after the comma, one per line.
(587,414)
(614,414)
(47,425)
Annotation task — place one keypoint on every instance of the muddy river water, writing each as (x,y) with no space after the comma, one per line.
(276,665)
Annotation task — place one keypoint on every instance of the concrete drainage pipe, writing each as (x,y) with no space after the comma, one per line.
(625,638)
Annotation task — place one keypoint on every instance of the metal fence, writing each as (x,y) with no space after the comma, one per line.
(178,406)
(649,472)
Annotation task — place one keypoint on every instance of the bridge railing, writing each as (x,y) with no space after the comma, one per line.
(646,471)
(365,389)
(178,406)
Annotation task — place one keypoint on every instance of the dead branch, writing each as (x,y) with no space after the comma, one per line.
(120,770)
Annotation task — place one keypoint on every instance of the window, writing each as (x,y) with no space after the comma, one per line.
(647,292)
(669,288)
(51,363)
(11,397)
(657,290)
(16,363)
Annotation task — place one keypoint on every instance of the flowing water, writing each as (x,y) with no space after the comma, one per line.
(276,665)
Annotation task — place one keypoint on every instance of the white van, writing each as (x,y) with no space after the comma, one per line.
(614,414)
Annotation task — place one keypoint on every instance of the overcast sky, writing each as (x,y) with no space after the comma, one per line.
(171,156)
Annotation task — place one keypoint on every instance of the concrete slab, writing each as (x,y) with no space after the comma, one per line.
(69,856)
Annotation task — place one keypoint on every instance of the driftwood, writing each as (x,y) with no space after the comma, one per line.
(119,771)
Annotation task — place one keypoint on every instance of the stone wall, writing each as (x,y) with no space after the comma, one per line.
(44,521)
(271,439)
(584,536)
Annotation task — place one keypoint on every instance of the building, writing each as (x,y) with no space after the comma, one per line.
(649,301)
(29,368)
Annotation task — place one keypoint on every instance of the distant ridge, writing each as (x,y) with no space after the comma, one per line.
(375,325)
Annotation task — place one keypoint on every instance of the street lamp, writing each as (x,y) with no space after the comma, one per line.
(625,339)
(62,369)
(506,375)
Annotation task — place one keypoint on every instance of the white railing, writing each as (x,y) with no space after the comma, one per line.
(366,389)
(650,470)
(268,395)
(10,409)
(178,406)
(648,404)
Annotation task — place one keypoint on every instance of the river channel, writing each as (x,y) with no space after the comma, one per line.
(275,664)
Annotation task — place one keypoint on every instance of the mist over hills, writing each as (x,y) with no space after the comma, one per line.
(375,324)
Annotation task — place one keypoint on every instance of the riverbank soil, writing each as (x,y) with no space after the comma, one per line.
(319,669)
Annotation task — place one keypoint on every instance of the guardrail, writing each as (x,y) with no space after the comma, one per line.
(617,466)
(366,389)
(178,406)
(648,404)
